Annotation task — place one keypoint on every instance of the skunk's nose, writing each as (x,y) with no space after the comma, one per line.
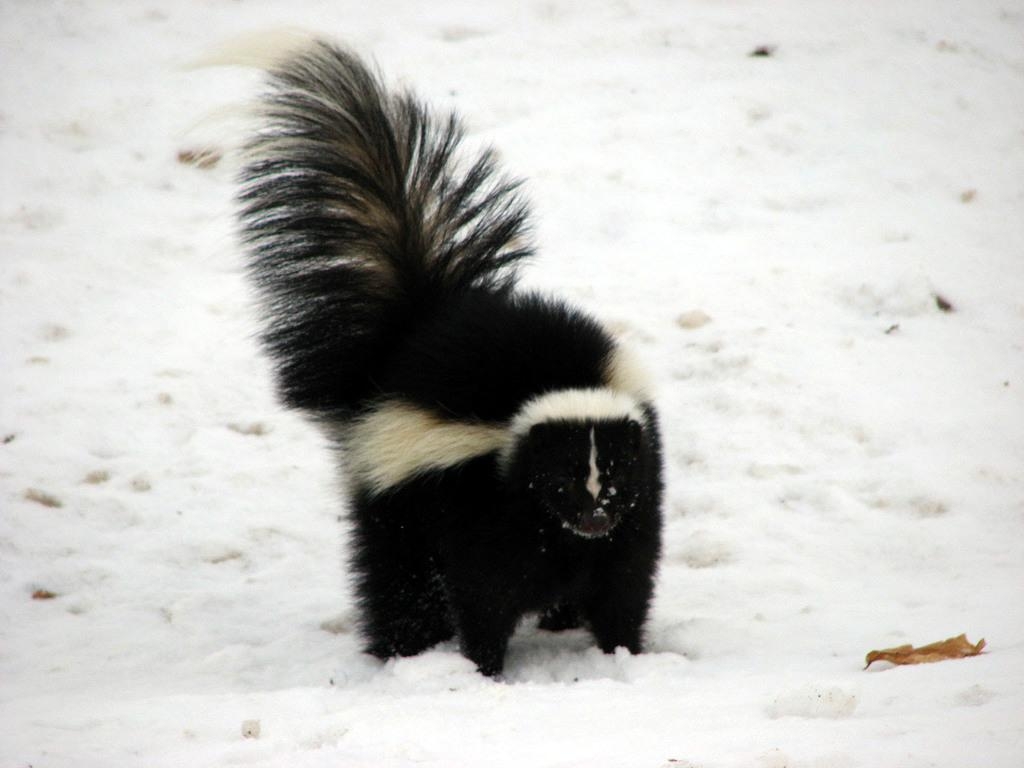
(595,522)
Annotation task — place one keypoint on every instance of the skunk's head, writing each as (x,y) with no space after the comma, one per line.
(580,455)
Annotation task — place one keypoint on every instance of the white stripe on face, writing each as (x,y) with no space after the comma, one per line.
(593,481)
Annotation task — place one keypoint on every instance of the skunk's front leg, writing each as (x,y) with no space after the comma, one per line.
(485,615)
(484,631)
(616,611)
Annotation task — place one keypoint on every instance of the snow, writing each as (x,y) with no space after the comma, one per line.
(845,459)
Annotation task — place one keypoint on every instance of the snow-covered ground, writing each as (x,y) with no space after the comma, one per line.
(771,233)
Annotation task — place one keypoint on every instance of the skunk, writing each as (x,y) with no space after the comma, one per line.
(500,453)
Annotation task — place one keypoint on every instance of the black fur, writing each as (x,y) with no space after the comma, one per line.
(386,269)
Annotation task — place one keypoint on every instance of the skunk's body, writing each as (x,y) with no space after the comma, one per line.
(500,452)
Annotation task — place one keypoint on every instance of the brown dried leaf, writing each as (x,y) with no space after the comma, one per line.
(200,157)
(257,428)
(42,497)
(953,648)
(43,594)
(96,477)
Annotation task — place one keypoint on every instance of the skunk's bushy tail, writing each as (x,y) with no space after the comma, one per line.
(361,222)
